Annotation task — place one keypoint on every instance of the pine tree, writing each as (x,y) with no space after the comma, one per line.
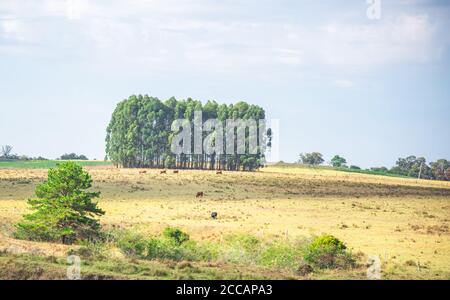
(63,208)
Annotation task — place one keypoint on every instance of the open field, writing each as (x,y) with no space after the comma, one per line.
(45,164)
(403,221)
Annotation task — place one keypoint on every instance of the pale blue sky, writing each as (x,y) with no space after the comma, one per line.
(340,83)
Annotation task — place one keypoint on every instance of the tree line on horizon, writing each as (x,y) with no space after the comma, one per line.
(410,166)
(7,155)
(139,134)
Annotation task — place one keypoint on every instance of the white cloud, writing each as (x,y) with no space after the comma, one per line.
(406,39)
(159,34)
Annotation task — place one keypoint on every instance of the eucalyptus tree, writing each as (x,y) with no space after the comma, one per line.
(140,134)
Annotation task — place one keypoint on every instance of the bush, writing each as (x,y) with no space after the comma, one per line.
(175,235)
(241,248)
(162,248)
(326,251)
(174,244)
(159,248)
(281,254)
(132,244)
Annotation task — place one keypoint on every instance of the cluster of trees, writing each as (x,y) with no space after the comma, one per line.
(73,156)
(140,134)
(411,166)
(417,167)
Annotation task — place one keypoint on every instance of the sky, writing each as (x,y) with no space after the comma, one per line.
(368,80)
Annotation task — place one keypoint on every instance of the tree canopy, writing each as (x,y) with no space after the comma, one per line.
(314,158)
(140,134)
(338,161)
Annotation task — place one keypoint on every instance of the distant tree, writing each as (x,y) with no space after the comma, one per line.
(441,169)
(412,166)
(338,161)
(6,151)
(73,156)
(314,158)
(353,167)
(64,210)
(380,169)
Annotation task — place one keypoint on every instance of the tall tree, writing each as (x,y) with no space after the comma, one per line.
(6,151)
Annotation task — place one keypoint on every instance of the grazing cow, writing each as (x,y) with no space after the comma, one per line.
(200,194)
(142,172)
(218,172)
(175,172)
(214,215)
(163,172)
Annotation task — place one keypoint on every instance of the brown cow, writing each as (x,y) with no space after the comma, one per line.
(163,172)
(175,171)
(200,194)
(218,172)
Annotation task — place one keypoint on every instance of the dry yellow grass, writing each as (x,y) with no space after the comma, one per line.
(397,219)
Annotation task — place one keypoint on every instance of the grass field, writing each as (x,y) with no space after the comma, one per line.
(45,164)
(403,221)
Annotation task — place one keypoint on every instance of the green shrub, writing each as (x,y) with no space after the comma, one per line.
(326,251)
(158,248)
(172,245)
(245,241)
(175,235)
(163,248)
(241,248)
(281,254)
(132,244)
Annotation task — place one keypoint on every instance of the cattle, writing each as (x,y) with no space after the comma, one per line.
(175,171)
(163,172)
(218,172)
(200,194)
(214,215)
(142,172)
